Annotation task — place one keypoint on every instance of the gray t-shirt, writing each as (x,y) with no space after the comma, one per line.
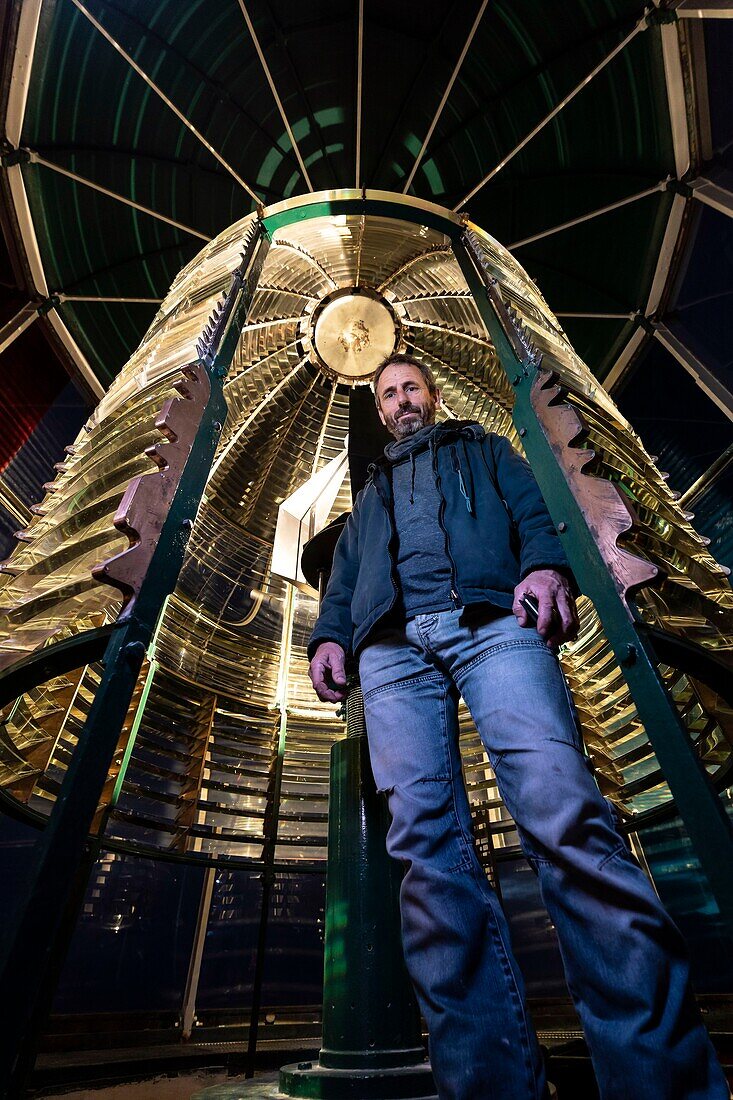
(423,567)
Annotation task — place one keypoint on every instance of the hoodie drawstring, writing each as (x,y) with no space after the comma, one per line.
(471,496)
(412,477)
(461,482)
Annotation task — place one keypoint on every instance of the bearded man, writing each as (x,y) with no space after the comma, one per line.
(445,542)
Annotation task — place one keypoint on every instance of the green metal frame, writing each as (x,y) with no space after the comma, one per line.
(43,920)
(702,812)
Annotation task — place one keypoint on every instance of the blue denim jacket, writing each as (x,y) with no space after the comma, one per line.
(496,525)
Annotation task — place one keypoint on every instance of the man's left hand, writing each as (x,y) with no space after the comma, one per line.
(557,621)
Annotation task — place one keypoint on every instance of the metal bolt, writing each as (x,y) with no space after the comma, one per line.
(562,528)
(217,426)
(187,524)
(522,432)
(134,652)
(631,655)
(305,1065)
(516,379)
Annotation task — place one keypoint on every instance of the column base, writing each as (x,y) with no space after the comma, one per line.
(315,1082)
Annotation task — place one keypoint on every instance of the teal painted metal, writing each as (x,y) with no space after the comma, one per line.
(367,205)
(370,1015)
(39,932)
(54,660)
(372,1045)
(702,811)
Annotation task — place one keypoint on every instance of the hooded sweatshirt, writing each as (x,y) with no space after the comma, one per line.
(493,524)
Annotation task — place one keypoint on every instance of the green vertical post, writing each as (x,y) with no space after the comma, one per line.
(702,811)
(372,1044)
(38,935)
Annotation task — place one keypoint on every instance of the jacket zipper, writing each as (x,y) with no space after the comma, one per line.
(455,597)
(390,517)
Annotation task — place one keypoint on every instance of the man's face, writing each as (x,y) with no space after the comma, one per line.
(405,402)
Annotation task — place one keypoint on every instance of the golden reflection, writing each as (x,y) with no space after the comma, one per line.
(201,771)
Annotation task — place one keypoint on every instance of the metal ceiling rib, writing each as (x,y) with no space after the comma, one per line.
(165,99)
(661,186)
(278,101)
(36,158)
(17,100)
(359,89)
(640,26)
(444,99)
(675,86)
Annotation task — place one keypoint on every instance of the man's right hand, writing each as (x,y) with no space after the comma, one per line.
(328,672)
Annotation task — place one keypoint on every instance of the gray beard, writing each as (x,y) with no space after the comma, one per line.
(410,427)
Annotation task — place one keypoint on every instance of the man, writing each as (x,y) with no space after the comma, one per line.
(444,541)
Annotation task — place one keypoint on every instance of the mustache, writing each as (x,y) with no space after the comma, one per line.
(409,409)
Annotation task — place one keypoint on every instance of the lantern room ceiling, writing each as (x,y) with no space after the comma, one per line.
(145,129)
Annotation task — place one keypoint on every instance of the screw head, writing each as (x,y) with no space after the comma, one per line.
(562,528)
(522,432)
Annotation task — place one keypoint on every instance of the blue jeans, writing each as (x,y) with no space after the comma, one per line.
(624,959)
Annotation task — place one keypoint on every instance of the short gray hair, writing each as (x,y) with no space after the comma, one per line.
(410,360)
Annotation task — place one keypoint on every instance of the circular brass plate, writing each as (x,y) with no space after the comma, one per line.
(352,331)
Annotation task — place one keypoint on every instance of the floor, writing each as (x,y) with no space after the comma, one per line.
(155,1088)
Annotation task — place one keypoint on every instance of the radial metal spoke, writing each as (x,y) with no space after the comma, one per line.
(711,9)
(13,328)
(640,26)
(273,89)
(249,327)
(437,296)
(322,433)
(107,298)
(446,93)
(168,102)
(600,316)
(677,342)
(36,158)
(234,378)
(309,259)
(661,186)
(712,194)
(359,82)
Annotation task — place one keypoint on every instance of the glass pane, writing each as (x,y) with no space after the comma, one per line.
(228,965)
(294,956)
(132,943)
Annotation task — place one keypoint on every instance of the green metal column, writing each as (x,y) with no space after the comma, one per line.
(372,1044)
(38,934)
(704,816)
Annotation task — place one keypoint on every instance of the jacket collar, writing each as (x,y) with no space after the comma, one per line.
(445,431)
